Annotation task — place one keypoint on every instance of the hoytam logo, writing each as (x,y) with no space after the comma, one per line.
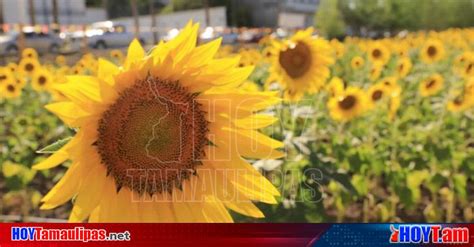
(429,234)
(75,234)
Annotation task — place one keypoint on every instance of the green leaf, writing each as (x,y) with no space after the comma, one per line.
(55,146)
(341,178)
(460,185)
(360,184)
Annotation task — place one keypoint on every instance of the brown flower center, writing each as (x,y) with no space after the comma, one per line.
(377,95)
(400,67)
(42,80)
(296,61)
(29,67)
(431,83)
(348,102)
(11,88)
(152,137)
(376,53)
(458,101)
(469,68)
(432,51)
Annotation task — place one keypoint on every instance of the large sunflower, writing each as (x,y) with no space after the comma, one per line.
(163,138)
(301,64)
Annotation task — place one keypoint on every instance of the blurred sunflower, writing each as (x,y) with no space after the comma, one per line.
(338,48)
(28,66)
(404,66)
(357,62)
(61,60)
(459,102)
(457,105)
(5,75)
(389,82)
(402,49)
(394,105)
(432,51)
(29,53)
(461,59)
(376,93)
(10,90)
(431,85)
(375,72)
(77,70)
(20,81)
(13,67)
(301,64)
(378,53)
(117,55)
(176,115)
(41,80)
(468,70)
(268,53)
(335,86)
(347,105)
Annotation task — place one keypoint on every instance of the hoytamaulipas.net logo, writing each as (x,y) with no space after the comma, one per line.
(435,234)
(74,234)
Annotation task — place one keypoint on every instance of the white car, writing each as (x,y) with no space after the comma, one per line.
(109,35)
(41,42)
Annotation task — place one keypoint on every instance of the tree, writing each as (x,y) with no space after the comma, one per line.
(1,17)
(363,16)
(31,9)
(133,4)
(55,25)
(329,20)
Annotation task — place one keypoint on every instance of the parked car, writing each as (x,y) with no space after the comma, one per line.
(228,37)
(41,42)
(107,34)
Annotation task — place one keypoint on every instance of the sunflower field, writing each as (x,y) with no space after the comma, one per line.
(358,130)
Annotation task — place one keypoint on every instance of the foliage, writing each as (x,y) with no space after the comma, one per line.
(363,17)
(329,20)
(26,127)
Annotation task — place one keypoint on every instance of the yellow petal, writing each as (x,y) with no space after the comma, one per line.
(247,144)
(215,211)
(65,189)
(245,208)
(89,195)
(204,53)
(68,112)
(135,53)
(255,121)
(107,70)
